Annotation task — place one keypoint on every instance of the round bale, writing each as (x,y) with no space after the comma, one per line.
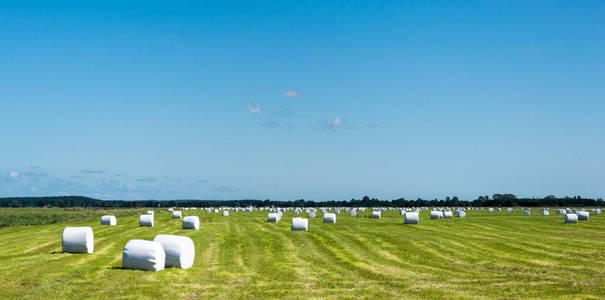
(299,224)
(143,255)
(411,218)
(180,250)
(330,218)
(571,218)
(191,222)
(109,220)
(146,220)
(78,240)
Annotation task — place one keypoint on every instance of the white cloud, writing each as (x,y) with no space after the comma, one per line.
(371,124)
(255,109)
(337,122)
(291,93)
(13,174)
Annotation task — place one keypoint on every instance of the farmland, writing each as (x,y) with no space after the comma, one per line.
(485,255)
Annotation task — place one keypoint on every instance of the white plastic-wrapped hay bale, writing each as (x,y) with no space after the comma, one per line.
(411,218)
(109,220)
(447,214)
(597,211)
(571,218)
(527,212)
(143,255)
(436,214)
(299,224)
(312,215)
(583,215)
(146,220)
(489,210)
(216,210)
(177,214)
(545,212)
(151,212)
(499,209)
(509,209)
(353,213)
(376,214)
(330,218)
(180,250)
(191,222)
(78,240)
(208,210)
(170,209)
(461,214)
(225,213)
(273,217)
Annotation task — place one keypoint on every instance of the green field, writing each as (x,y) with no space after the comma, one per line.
(485,255)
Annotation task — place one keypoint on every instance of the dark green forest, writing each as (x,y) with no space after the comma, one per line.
(482,201)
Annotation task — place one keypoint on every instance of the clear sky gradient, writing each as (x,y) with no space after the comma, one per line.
(321,100)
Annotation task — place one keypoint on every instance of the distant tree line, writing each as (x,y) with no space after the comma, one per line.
(482,201)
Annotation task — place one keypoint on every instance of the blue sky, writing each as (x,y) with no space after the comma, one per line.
(318,100)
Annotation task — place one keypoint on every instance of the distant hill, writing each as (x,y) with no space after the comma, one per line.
(482,201)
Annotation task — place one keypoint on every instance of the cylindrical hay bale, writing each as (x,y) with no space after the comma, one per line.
(490,210)
(177,214)
(597,211)
(376,214)
(329,218)
(191,222)
(109,220)
(180,250)
(312,215)
(299,224)
(545,213)
(571,218)
(527,212)
(436,214)
(208,210)
(583,215)
(447,214)
(273,217)
(509,209)
(150,212)
(225,213)
(353,213)
(78,240)
(461,214)
(143,255)
(146,220)
(411,218)
(170,209)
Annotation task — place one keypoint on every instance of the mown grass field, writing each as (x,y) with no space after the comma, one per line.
(485,255)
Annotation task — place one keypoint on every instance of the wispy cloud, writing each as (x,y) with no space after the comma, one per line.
(291,93)
(146,180)
(335,123)
(371,124)
(257,109)
(88,171)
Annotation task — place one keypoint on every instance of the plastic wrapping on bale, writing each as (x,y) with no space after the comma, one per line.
(143,255)
(527,212)
(299,224)
(312,215)
(329,218)
(461,214)
(191,222)
(376,214)
(447,214)
(146,220)
(273,217)
(150,212)
(583,215)
(489,210)
(177,214)
(436,214)
(225,213)
(180,250)
(353,213)
(411,218)
(545,213)
(78,240)
(571,218)
(109,220)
